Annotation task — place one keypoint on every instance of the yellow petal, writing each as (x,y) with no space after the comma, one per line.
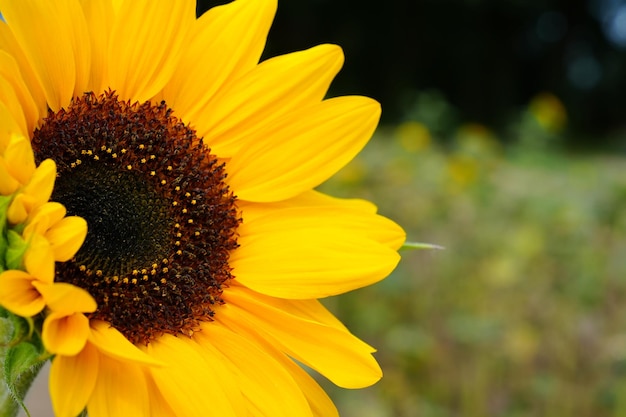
(146,44)
(9,44)
(194,382)
(309,310)
(11,71)
(66,237)
(99,16)
(121,390)
(275,396)
(72,379)
(313,252)
(19,208)
(260,98)
(43,217)
(8,184)
(8,127)
(8,95)
(319,402)
(158,405)
(71,14)
(333,352)
(42,182)
(310,198)
(20,159)
(18,295)
(112,343)
(302,150)
(385,231)
(240,28)
(65,334)
(48,33)
(39,259)
(64,298)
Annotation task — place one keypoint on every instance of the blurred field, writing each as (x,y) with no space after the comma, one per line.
(524,312)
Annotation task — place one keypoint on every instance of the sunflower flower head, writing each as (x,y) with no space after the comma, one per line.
(163,242)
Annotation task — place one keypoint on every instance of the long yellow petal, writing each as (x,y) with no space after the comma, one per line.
(240,28)
(194,383)
(8,95)
(335,353)
(313,253)
(276,396)
(260,98)
(99,16)
(320,404)
(112,343)
(121,390)
(8,127)
(312,198)
(386,231)
(11,71)
(9,44)
(146,44)
(70,12)
(158,405)
(48,34)
(72,379)
(300,151)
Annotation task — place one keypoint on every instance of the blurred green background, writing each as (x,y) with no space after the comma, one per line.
(523,312)
(502,141)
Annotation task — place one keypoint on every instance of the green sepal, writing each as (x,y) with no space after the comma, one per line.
(4,207)
(15,251)
(21,357)
(419,246)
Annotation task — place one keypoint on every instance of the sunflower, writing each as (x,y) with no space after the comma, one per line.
(195,291)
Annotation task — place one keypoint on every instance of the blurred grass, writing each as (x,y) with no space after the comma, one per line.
(523,313)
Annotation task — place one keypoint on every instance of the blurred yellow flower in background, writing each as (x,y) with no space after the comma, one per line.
(549,112)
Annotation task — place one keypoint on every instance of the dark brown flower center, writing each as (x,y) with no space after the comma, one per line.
(161,220)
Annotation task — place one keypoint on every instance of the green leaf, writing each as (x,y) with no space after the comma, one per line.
(4,206)
(20,365)
(7,330)
(15,251)
(21,357)
(419,246)
(13,328)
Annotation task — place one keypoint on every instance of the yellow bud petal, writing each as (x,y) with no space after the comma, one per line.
(8,184)
(65,334)
(20,159)
(19,208)
(42,182)
(18,295)
(66,299)
(44,217)
(39,259)
(66,237)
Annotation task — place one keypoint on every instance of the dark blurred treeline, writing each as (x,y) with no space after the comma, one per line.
(488,57)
